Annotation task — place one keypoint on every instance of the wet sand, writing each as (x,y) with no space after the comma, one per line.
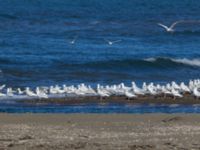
(186,100)
(100,131)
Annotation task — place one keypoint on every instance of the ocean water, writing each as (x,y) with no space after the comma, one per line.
(98,108)
(35,48)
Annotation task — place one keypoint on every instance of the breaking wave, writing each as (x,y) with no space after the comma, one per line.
(185,61)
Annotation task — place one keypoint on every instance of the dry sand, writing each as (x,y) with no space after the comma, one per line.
(100,131)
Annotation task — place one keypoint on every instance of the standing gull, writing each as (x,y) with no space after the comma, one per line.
(129,94)
(196,93)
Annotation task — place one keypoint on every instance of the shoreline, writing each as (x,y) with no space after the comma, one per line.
(186,100)
(99,131)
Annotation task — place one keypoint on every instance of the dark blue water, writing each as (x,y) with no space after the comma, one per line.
(96,108)
(35,35)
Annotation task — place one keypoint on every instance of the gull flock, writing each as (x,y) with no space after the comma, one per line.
(170,89)
(169,29)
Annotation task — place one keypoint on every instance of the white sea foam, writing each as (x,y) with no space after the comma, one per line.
(151,59)
(191,62)
(186,61)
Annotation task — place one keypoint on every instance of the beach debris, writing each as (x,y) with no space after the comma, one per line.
(171,119)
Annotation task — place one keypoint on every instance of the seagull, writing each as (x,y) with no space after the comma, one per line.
(29,92)
(2,87)
(9,92)
(175,85)
(129,94)
(151,90)
(176,93)
(74,40)
(40,93)
(137,90)
(101,92)
(184,87)
(112,42)
(2,94)
(172,26)
(196,93)
(19,91)
(52,90)
(165,91)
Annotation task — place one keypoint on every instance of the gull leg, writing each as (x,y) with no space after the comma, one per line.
(100,97)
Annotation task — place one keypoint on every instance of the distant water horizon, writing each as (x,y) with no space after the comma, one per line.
(35,37)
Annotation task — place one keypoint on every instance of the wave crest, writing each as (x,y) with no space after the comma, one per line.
(124,64)
(185,61)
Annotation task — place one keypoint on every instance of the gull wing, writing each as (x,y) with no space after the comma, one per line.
(106,40)
(75,38)
(184,21)
(3,86)
(162,25)
(116,41)
(175,23)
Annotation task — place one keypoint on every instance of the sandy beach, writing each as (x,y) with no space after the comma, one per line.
(99,131)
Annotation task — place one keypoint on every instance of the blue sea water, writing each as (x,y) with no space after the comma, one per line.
(98,108)
(35,36)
